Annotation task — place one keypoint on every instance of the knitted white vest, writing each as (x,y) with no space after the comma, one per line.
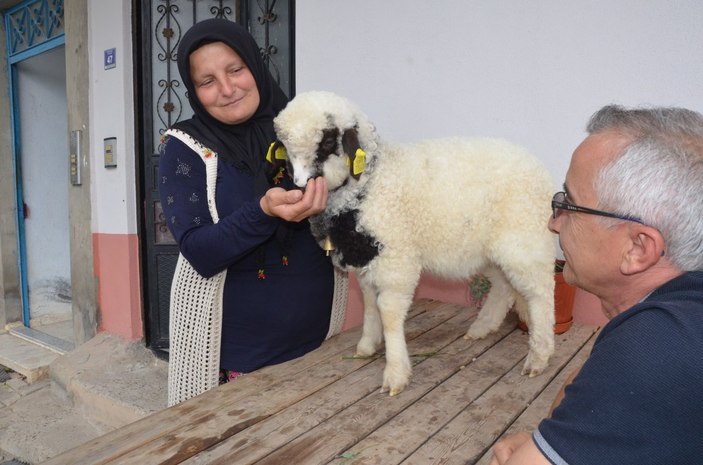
(195,324)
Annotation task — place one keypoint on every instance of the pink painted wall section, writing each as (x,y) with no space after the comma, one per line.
(355,305)
(587,308)
(429,287)
(116,262)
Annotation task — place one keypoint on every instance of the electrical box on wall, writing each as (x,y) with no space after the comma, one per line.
(74,158)
(110,145)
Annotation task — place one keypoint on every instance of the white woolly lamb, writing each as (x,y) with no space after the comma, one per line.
(450,207)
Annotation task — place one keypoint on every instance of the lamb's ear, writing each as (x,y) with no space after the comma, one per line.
(356,157)
(276,156)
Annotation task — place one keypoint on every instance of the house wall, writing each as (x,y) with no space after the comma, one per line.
(532,72)
(529,71)
(84,280)
(10,300)
(114,206)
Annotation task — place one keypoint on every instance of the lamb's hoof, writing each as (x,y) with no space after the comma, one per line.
(392,391)
(476,332)
(365,348)
(531,372)
(394,384)
(533,368)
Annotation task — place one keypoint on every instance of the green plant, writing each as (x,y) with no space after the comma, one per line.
(479,287)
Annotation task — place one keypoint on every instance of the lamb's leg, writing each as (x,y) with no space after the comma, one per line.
(393,307)
(499,301)
(372,331)
(540,320)
(534,282)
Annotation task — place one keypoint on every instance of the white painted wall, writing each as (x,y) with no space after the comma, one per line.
(41,86)
(112,115)
(532,72)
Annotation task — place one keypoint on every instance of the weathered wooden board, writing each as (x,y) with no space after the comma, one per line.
(326,408)
(234,407)
(473,431)
(275,432)
(324,442)
(539,408)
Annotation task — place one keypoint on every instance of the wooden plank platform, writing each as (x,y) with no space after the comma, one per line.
(326,408)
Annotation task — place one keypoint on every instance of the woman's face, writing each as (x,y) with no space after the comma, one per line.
(223,83)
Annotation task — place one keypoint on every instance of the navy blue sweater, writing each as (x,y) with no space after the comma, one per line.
(265,321)
(637,399)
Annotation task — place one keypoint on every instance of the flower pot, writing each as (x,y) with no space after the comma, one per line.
(564,295)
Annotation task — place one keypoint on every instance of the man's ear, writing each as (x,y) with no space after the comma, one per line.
(647,247)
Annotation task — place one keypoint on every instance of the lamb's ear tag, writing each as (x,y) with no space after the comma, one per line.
(269,157)
(359,162)
(277,151)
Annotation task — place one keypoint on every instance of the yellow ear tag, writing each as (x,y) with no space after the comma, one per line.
(359,162)
(280,153)
(268,154)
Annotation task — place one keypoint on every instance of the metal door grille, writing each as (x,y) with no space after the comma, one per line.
(163,102)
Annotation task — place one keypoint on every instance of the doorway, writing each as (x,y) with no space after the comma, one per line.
(163,102)
(37,76)
(43,157)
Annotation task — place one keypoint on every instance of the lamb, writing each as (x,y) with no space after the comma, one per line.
(451,207)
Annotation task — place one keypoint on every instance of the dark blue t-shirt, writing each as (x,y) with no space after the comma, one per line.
(265,321)
(638,398)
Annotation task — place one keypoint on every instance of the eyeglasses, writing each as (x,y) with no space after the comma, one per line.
(560,202)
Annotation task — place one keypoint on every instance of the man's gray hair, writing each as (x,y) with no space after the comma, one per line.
(658,177)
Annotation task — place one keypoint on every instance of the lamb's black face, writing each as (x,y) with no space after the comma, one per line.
(303,166)
(328,145)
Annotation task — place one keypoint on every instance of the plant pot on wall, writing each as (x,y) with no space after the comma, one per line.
(564,295)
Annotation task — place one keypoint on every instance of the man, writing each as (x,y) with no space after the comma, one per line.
(630,224)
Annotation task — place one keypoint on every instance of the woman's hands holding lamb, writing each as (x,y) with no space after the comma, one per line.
(296,205)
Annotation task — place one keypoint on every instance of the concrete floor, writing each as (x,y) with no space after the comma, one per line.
(103,384)
(62,329)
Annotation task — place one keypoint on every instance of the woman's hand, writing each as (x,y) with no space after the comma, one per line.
(296,205)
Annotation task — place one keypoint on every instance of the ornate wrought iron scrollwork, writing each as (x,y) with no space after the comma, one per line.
(221,11)
(172,18)
(267,18)
(162,234)
(267,13)
(33,23)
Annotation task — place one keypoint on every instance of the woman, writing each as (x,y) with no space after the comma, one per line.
(252,287)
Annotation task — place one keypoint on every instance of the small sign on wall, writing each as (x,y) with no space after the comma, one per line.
(110,58)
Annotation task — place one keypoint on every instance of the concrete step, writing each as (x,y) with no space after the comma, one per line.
(112,382)
(39,426)
(43,339)
(101,385)
(25,357)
